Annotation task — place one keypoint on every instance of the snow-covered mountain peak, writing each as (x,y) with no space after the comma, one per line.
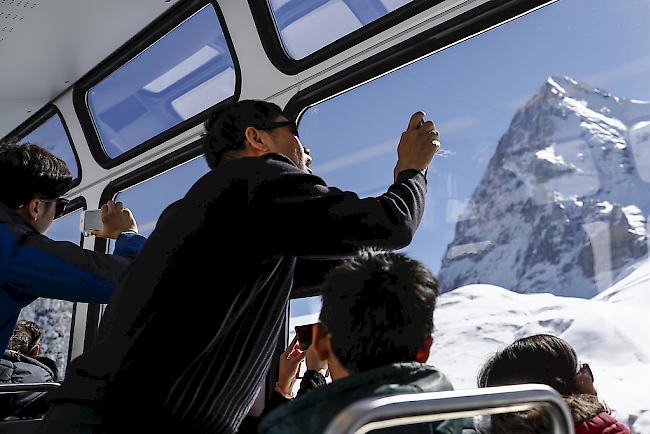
(562,205)
(565,86)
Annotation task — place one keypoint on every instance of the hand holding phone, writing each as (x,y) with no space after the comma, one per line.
(90,220)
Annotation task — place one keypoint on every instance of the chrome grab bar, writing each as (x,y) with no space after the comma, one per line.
(27,387)
(388,411)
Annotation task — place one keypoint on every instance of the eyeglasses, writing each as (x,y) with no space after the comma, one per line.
(273,125)
(586,370)
(61,204)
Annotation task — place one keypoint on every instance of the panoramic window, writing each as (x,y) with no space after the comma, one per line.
(148,199)
(54,317)
(51,135)
(308,26)
(537,206)
(187,71)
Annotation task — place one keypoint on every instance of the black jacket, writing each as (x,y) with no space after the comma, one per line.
(18,368)
(213,281)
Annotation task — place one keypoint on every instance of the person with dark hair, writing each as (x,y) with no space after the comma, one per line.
(21,363)
(32,265)
(547,359)
(375,334)
(240,228)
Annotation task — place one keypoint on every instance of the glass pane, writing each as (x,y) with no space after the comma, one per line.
(537,205)
(51,135)
(148,199)
(303,311)
(185,72)
(306,26)
(54,317)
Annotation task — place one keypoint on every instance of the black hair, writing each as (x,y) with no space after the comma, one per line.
(25,337)
(378,309)
(225,126)
(28,171)
(544,359)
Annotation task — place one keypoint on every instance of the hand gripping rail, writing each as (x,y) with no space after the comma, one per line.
(384,412)
(27,387)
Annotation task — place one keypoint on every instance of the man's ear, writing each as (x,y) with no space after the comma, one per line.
(255,140)
(423,353)
(321,342)
(33,208)
(35,351)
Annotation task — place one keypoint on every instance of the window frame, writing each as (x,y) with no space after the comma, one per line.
(274,48)
(158,29)
(38,119)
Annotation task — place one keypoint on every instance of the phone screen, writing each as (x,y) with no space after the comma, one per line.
(304,335)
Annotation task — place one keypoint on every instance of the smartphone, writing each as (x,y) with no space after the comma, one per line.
(90,219)
(304,335)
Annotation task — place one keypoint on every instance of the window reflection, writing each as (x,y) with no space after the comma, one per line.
(187,71)
(307,26)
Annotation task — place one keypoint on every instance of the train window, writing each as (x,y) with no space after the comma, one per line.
(51,135)
(537,205)
(182,74)
(307,26)
(54,317)
(148,199)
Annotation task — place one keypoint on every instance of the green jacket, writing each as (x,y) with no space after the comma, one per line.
(312,412)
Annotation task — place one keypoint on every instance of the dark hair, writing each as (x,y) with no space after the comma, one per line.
(31,171)
(378,309)
(225,126)
(541,358)
(25,337)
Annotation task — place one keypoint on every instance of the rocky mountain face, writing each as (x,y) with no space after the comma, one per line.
(563,203)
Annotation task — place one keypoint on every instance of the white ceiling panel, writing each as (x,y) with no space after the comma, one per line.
(47,45)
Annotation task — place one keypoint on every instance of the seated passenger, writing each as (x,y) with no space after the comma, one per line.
(549,360)
(21,363)
(375,334)
(34,265)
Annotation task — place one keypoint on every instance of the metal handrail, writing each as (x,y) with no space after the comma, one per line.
(27,387)
(389,411)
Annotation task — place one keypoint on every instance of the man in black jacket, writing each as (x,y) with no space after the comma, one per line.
(221,262)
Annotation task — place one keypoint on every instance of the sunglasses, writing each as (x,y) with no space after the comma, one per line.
(61,205)
(586,370)
(273,125)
